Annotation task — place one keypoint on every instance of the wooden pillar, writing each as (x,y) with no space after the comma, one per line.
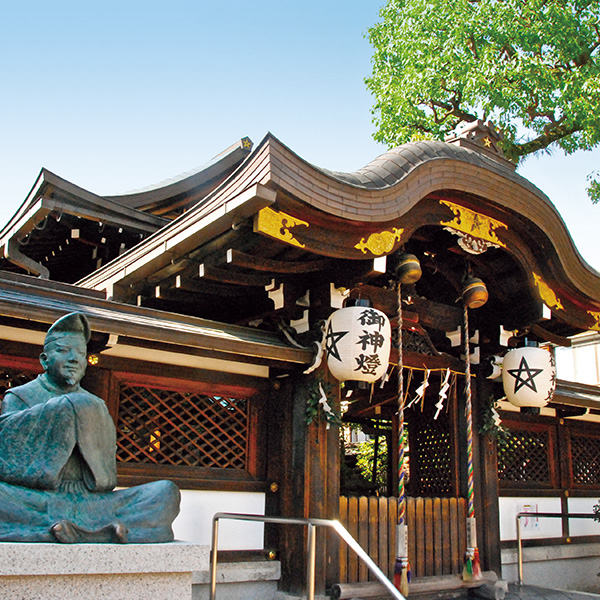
(488,512)
(326,445)
(304,463)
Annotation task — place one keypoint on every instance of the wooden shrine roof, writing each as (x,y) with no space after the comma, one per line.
(169,197)
(63,232)
(279,219)
(242,239)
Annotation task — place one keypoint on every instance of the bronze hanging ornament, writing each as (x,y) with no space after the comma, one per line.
(409,269)
(474,292)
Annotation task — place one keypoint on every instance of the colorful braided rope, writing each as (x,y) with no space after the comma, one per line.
(401,473)
(469,415)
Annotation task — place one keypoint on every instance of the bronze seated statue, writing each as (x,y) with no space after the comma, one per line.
(57,459)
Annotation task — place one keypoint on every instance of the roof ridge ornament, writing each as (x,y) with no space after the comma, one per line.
(480,137)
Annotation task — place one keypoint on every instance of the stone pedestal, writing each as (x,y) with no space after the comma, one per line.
(255,580)
(100,571)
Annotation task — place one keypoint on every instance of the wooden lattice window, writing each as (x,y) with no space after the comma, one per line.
(585,459)
(432,452)
(10,378)
(181,428)
(13,376)
(525,457)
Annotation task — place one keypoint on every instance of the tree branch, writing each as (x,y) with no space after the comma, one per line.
(550,135)
(533,112)
(472,46)
(452,110)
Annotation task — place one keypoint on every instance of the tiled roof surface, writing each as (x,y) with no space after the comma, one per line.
(391,167)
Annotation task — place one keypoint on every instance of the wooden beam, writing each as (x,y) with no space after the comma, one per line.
(548,336)
(235,278)
(249,261)
(430,314)
(436,315)
(422,361)
(178,265)
(196,286)
(364,407)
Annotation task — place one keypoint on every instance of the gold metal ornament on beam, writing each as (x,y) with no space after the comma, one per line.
(409,269)
(380,243)
(279,225)
(474,292)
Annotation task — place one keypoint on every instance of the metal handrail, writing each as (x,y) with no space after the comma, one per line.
(312,524)
(539,514)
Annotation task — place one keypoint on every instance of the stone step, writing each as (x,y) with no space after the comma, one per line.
(240,580)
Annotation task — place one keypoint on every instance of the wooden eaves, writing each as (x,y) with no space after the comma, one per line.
(53,198)
(57,213)
(30,303)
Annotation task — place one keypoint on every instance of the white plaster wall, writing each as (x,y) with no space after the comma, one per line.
(194,522)
(583,526)
(531,528)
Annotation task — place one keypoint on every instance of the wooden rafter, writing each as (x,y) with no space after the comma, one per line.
(232,277)
(195,285)
(249,261)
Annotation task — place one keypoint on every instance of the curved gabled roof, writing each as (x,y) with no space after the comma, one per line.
(391,167)
(331,214)
(34,241)
(205,178)
(388,186)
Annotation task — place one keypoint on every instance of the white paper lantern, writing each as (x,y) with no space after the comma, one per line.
(358,343)
(529,377)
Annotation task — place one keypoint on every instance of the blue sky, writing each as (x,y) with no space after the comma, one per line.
(115,96)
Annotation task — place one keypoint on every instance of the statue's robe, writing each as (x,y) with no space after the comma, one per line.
(57,462)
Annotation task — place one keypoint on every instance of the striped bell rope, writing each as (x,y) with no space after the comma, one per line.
(471,567)
(401,564)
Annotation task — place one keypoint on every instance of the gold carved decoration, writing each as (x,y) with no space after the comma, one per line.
(279,225)
(596,316)
(380,243)
(477,232)
(547,294)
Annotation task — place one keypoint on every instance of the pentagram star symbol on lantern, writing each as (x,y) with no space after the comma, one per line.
(331,340)
(528,380)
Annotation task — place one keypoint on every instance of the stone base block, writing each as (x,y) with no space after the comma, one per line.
(572,567)
(97,587)
(100,571)
(255,580)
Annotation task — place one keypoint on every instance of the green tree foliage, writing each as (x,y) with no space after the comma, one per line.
(593,189)
(365,452)
(530,66)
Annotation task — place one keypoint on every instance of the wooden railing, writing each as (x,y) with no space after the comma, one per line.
(436,535)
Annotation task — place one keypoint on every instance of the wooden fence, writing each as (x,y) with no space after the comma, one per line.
(436,535)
